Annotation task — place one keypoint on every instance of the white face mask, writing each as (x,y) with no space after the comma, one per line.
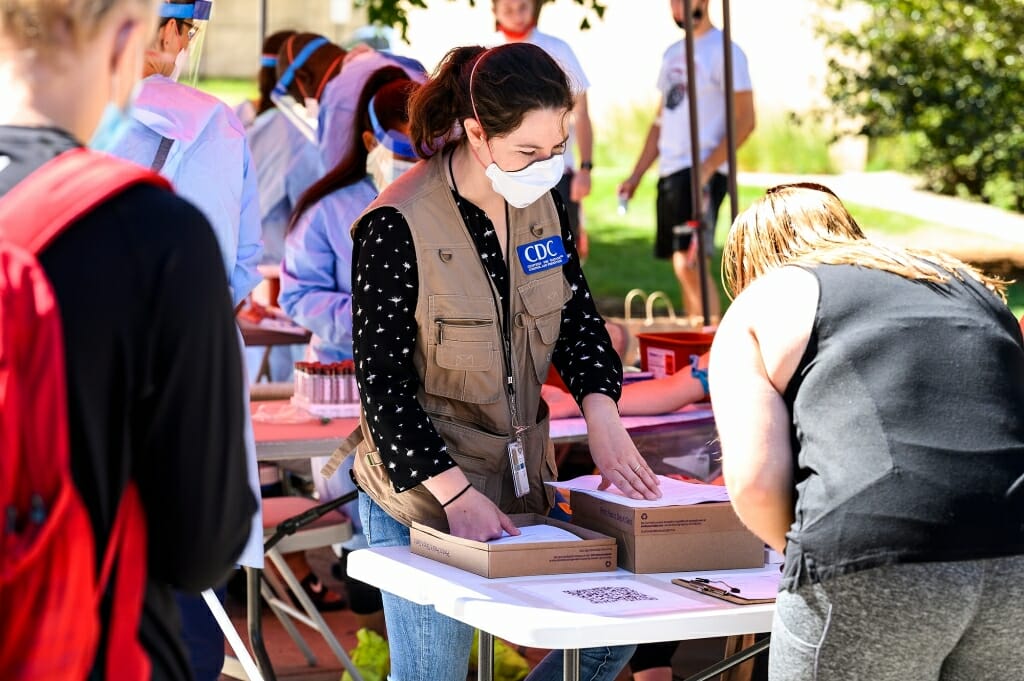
(180,64)
(522,187)
(383,167)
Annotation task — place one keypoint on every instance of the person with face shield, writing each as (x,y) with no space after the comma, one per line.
(466,286)
(196,141)
(154,386)
(286,164)
(306,63)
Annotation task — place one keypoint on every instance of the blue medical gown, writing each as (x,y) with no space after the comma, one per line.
(316,274)
(209,163)
(287,163)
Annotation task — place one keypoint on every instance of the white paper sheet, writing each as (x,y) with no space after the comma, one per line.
(536,533)
(674,492)
(610,596)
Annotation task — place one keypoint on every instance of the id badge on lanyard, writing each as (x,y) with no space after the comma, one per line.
(517,461)
(517,453)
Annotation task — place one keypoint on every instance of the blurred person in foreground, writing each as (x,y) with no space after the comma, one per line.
(154,385)
(870,404)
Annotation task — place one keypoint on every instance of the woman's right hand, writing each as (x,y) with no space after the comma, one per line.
(474,516)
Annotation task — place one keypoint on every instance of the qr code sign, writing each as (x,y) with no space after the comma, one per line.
(602,595)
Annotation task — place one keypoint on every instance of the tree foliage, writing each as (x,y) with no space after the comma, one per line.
(394,12)
(949,71)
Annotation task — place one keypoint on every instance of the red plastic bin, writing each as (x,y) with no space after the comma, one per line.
(663,354)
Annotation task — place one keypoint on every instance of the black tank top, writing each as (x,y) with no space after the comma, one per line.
(908,426)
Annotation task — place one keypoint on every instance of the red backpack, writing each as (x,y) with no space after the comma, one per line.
(50,594)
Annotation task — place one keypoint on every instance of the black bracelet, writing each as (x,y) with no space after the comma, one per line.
(463,491)
(586,165)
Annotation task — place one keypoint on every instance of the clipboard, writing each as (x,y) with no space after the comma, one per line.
(721,594)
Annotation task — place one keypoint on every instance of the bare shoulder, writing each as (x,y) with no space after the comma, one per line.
(776,313)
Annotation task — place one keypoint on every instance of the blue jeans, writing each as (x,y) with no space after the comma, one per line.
(414,631)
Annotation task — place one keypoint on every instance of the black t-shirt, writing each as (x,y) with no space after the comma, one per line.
(154,384)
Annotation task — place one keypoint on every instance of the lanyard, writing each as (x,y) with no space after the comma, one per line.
(506,325)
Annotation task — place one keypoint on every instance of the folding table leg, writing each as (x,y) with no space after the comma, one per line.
(249,668)
(571,664)
(253,615)
(485,657)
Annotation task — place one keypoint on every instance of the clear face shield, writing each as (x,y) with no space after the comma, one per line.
(192,20)
(303,115)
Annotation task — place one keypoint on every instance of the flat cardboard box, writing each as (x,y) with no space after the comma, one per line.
(595,553)
(671,538)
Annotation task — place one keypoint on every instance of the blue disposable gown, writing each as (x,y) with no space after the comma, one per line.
(286,165)
(209,164)
(316,275)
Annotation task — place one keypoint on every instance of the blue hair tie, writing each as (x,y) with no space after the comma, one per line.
(698,373)
(268,61)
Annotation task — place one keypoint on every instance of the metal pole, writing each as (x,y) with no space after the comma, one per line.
(697,216)
(262,25)
(485,657)
(730,109)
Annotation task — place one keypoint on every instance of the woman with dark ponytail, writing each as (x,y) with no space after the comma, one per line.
(316,286)
(466,286)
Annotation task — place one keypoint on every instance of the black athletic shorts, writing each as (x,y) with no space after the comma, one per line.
(675,208)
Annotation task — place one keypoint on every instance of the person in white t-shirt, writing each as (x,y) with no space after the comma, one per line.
(669,140)
(516,22)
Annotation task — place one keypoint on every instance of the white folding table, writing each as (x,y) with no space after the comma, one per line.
(523,611)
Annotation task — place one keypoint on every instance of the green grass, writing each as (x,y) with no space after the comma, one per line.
(621,246)
(230,90)
(784,143)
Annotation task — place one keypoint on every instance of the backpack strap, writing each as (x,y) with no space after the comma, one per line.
(34,213)
(62,190)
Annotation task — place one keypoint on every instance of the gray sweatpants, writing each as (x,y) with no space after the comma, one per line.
(956,621)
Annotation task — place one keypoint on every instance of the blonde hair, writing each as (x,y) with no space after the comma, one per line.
(807,224)
(42,23)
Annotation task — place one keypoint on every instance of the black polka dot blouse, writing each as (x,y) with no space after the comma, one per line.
(384,294)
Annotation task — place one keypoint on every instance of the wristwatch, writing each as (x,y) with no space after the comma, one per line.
(586,165)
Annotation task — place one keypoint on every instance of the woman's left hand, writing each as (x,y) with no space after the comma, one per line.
(614,453)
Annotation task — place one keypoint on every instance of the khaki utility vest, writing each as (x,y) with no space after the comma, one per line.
(460,354)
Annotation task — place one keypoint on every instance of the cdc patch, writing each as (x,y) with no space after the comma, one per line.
(542,255)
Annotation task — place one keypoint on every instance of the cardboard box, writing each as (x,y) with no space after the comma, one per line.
(595,553)
(671,538)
